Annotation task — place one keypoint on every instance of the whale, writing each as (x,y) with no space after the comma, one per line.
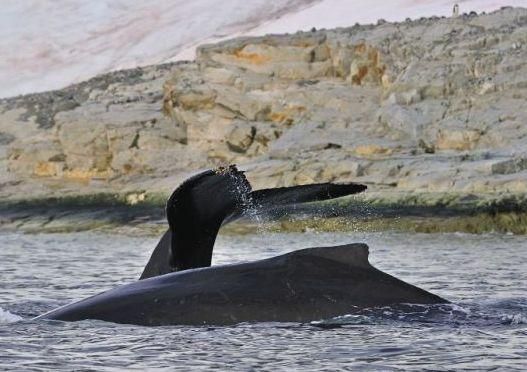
(180,287)
(302,286)
(198,208)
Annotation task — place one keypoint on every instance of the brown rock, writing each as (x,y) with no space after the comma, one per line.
(241,137)
(372,150)
(460,140)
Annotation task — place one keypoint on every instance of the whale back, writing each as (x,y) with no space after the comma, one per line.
(305,285)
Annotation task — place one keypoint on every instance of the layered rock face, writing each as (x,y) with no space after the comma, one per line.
(432,105)
(90,137)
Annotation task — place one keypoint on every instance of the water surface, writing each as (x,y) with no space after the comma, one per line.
(484,275)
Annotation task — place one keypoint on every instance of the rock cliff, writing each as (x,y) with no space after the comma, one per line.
(435,105)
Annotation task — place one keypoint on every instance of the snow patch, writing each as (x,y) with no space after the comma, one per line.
(50,44)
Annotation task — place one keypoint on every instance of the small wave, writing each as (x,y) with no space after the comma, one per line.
(429,314)
(514,319)
(438,313)
(7,317)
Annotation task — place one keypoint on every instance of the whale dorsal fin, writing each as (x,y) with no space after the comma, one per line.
(355,255)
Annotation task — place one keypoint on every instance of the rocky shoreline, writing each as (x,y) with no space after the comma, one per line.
(431,114)
(130,213)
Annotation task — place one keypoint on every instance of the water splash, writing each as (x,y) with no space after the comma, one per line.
(251,208)
(514,319)
(7,317)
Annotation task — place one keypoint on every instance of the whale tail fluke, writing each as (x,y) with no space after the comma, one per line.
(304,193)
(268,200)
(197,209)
(195,212)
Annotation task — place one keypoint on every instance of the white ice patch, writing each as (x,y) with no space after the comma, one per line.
(7,317)
(50,44)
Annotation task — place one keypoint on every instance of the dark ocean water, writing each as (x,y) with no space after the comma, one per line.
(485,276)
